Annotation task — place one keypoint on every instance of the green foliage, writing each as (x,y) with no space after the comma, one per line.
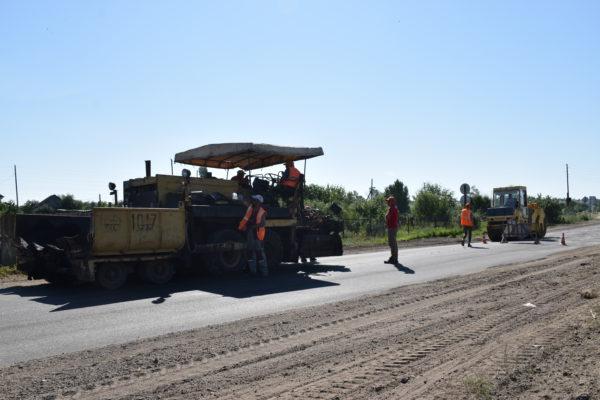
(400,192)
(68,202)
(552,207)
(372,211)
(8,270)
(8,207)
(479,387)
(480,203)
(434,203)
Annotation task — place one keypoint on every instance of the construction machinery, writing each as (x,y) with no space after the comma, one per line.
(173,222)
(512,217)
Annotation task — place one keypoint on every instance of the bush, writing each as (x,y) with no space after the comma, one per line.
(552,207)
(434,204)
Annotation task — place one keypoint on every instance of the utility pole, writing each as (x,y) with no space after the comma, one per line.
(16,187)
(99,199)
(171,166)
(568,195)
(371,190)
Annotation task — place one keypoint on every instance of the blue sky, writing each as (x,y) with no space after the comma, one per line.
(489,93)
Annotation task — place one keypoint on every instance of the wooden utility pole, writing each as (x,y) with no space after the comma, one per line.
(16,187)
(568,194)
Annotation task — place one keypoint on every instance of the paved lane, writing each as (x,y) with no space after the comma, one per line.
(41,320)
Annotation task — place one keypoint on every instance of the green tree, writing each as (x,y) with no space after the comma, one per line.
(480,203)
(69,202)
(434,204)
(372,213)
(552,208)
(29,206)
(400,192)
(8,207)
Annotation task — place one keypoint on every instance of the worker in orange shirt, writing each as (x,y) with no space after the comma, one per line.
(253,224)
(466,221)
(289,180)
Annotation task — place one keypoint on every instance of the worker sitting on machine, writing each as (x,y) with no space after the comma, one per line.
(243,181)
(290,180)
(253,223)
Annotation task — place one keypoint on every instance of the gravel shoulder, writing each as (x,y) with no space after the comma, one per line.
(468,337)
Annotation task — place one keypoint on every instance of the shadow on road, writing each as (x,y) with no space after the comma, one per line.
(404,269)
(287,278)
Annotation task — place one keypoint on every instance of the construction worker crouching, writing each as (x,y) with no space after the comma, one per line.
(466,221)
(254,224)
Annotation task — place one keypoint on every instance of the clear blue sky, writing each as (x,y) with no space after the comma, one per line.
(489,93)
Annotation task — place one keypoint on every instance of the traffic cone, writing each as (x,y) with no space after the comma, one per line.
(562,240)
(484,238)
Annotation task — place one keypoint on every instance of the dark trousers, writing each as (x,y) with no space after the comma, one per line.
(393,242)
(468,231)
(256,253)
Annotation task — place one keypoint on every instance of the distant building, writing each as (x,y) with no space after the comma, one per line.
(49,204)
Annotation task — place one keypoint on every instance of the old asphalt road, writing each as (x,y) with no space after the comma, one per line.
(39,320)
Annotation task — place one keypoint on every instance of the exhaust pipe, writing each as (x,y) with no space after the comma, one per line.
(148,168)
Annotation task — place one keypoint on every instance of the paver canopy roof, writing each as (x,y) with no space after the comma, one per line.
(245,155)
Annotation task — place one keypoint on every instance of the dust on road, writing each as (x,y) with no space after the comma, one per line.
(468,337)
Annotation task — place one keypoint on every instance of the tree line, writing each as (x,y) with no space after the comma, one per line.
(432,205)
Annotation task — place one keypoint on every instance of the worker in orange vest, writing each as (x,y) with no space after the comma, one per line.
(291,175)
(466,221)
(253,224)
(289,180)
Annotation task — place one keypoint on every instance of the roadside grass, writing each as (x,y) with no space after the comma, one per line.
(362,239)
(9,270)
(479,387)
(577,217)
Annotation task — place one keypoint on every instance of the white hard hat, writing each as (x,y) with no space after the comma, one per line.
(258,198)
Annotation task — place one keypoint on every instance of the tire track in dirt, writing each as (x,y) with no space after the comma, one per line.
(385,367)
(283,345)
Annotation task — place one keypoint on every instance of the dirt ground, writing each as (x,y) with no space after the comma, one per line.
(469,337)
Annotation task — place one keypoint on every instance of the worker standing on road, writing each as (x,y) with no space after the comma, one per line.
(466,221)
(392,223)
(253,223)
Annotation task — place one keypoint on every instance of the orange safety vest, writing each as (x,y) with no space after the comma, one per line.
(292,179)
(466,218)
(261,231)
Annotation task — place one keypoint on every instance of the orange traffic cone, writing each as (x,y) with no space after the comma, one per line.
(562,240)
(484,238)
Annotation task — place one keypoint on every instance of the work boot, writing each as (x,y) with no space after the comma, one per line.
(389,260)
(462,243)
(470,245)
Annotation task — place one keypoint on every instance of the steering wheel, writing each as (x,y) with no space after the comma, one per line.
(274,178)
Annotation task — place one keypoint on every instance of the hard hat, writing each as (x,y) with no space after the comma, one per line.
(258,198)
